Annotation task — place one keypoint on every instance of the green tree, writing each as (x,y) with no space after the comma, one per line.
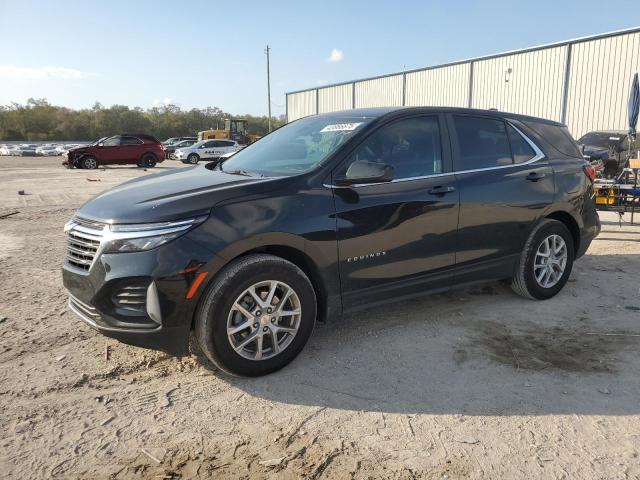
(39,120)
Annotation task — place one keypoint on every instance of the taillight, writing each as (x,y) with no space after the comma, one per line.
(590,172)
(162,146)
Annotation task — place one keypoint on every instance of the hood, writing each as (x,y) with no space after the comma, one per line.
(596,151)
(78,149)
(170,195)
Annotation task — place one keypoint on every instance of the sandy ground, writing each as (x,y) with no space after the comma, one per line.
(471,384)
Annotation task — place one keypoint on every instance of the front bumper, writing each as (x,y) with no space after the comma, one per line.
(160,315)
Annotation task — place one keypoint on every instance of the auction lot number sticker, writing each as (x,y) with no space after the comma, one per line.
(341,127)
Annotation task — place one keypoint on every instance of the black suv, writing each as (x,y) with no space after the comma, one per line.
(329,214)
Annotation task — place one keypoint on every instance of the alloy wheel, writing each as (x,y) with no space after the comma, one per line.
(264,320)
(550,261)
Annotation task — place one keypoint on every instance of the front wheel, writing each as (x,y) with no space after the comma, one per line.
(193,159)
(546,261)
(89,163)
(257,315)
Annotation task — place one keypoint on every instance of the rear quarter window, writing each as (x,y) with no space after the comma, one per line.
(557,136)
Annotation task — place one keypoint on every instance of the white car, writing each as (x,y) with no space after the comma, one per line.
(206,150)
(47,150)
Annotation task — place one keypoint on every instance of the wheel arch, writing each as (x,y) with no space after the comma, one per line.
(289,251)
(148,152)
(572,225)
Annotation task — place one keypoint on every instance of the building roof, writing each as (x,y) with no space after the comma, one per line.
(485,57)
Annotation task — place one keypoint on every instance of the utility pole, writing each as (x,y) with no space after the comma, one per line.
(268,86)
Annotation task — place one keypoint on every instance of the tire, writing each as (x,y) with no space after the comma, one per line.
(216,313)
(193,159)
(89,163)
(526,279)
(148,160)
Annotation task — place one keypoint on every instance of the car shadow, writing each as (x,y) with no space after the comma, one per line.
(480,351)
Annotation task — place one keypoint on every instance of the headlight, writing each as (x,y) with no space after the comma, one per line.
(145,236)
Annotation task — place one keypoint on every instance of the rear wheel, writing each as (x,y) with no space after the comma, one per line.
(148,160)
(256,316)
(193,158)
(89,163)
(546,261)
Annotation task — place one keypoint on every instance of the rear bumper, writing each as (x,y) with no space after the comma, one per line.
(587,235)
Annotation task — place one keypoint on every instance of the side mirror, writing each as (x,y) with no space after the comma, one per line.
(100,145)
(362,171)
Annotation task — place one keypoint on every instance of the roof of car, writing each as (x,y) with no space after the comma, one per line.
(380,111)
(141,136)
(614,132)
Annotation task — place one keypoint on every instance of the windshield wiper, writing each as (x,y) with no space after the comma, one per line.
(246,173)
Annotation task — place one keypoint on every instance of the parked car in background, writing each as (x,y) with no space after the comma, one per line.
(126,149)
(206,150)
(28,150)
(329,214)
(7,149)
(172,140)
(47,150)
(608,148)
(170,149)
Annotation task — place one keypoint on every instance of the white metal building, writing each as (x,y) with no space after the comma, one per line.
(583,83)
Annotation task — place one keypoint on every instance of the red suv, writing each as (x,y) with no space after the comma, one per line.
(126,149)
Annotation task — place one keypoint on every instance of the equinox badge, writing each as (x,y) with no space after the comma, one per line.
(365,257)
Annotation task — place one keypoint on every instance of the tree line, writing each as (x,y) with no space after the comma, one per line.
(39,120)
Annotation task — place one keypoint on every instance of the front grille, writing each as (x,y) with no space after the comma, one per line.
(85,309)
(132,298)
(83,241)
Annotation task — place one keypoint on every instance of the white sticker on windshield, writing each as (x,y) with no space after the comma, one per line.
(341,127)
(614,138)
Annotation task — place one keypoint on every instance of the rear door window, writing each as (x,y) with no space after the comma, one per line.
(130,141)
(482,143)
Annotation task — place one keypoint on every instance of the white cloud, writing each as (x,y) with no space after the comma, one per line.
(38,73)
(335,55)
(163,101)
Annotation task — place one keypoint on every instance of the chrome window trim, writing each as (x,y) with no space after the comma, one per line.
(539,155)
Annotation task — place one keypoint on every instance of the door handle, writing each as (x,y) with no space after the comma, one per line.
(441,190)
(535,176)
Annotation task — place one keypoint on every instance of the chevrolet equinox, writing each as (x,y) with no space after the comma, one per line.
(329,214)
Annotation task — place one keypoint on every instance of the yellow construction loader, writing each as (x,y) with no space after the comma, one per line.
(234,129)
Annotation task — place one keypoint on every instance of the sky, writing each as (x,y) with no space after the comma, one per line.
(196,54)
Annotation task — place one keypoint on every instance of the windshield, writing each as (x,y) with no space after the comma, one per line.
(602,139)
(297,147)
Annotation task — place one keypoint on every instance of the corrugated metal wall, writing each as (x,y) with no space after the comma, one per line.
(379,92)
(529,83)
(301,104)
(333,99)
(590,94)
(441,87)
(599,82)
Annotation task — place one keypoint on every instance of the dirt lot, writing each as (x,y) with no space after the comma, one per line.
(471,384)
